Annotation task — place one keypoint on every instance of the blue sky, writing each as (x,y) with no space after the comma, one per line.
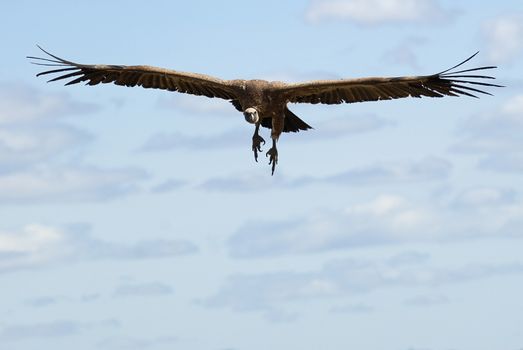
(138,219)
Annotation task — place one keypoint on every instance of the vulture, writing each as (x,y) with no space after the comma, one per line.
(265,103)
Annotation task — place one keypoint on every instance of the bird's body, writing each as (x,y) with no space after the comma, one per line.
(265,103)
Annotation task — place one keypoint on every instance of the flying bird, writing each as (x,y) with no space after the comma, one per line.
(265,103)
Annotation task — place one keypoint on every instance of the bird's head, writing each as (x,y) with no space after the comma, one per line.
(251,115)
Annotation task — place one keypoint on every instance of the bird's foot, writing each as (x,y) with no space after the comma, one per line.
(257,142)
(273,153)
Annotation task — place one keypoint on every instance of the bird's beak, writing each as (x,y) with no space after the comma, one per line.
(251,117)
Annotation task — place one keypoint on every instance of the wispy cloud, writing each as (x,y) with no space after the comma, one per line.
(43,301)
(341,278)
(378,11)
(404,53)
(352,309)
(505,163)
(135,343)
(480,197)
(53,329)
(23,146)
(347,125)
(496,136)
(241,136)
(143,289)
(38,148)
(32,127)
(173,141)
(49,300)
(22,103)
(387,219)
(427,169)
(503,37)
(78,183)
(475,213)
(168,186)
(39,246)
(427,300)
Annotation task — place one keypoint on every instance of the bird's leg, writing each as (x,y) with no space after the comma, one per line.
(273,153)
(257,141)
(276,130)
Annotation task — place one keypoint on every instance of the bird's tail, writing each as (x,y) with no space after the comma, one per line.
(292,122)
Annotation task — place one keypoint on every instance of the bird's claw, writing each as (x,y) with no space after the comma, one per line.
(273,153)
(257,142)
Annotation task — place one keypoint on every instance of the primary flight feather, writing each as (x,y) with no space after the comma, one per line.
(265,103)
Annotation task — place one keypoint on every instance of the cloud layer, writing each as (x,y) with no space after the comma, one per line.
(503,38)
(65,184)
(39,246)
(385,220)
(496,137)
(38,150)
(241,136)
(268,292)
(53,329)
(377,11)
(24,104)
(427,169)
(143,289)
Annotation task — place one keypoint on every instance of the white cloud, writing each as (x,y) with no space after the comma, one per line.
(426,169)
(31,239)
(514,107)
(475,213)
(377,11)
(384,220)
(168,186)
(394,209)
(505,163)
(25,146)
(404,53)
(81,183)
(504,37)
(37,151)
(53,329)
(485,197)
(341,278)
(241,136)
(143,289)
(427,300)
(132,343)
(380,206)
(44,301)
(31,133)
(33,245)
(496,136)
(352,309)
(40,245)
(348,125)
(162,142)
(21,103)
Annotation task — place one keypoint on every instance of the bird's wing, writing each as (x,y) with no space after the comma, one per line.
(145,76)
(450,82)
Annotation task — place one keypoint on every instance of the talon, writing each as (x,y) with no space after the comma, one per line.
(257,141)
(273,153)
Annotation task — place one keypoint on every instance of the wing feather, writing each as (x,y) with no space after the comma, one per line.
(450,82)
(144,76)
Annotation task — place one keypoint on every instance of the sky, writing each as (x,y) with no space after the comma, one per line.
(138,219)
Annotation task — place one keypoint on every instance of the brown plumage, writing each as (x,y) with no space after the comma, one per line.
(265,103)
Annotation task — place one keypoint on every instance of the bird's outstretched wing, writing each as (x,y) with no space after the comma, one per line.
(145,76)
(450,82)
